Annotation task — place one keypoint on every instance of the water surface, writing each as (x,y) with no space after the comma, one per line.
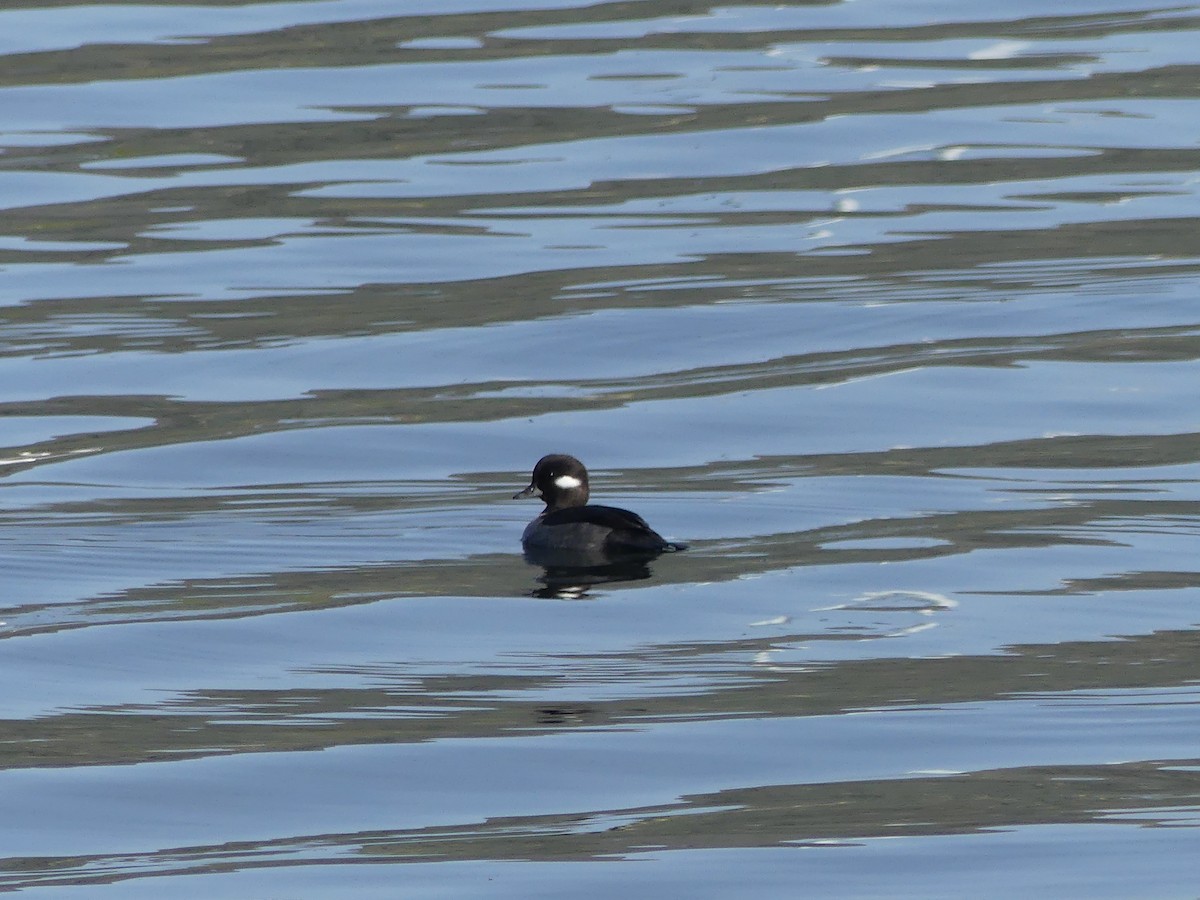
(888,309)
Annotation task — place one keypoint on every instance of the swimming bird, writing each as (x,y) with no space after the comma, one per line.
(570,528)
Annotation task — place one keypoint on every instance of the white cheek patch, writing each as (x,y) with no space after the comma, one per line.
(567,482)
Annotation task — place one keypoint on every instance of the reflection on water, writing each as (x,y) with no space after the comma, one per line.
(568,581)
(886,309)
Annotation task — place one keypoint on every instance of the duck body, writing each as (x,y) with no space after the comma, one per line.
(571,527)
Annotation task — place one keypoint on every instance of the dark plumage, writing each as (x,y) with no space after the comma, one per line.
(570,526)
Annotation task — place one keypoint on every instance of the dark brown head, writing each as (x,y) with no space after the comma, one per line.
(560,480)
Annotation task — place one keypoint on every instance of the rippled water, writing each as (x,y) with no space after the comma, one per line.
(889,309)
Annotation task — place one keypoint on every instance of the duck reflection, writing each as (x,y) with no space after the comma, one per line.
(570,574)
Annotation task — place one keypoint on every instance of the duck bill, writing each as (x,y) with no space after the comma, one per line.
(530,491)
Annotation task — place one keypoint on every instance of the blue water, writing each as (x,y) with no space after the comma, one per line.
(887,309)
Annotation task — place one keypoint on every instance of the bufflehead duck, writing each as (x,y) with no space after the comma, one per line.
(570,527)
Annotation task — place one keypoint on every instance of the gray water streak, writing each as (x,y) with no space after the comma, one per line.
(176,421)
(772,815)
(399,704)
